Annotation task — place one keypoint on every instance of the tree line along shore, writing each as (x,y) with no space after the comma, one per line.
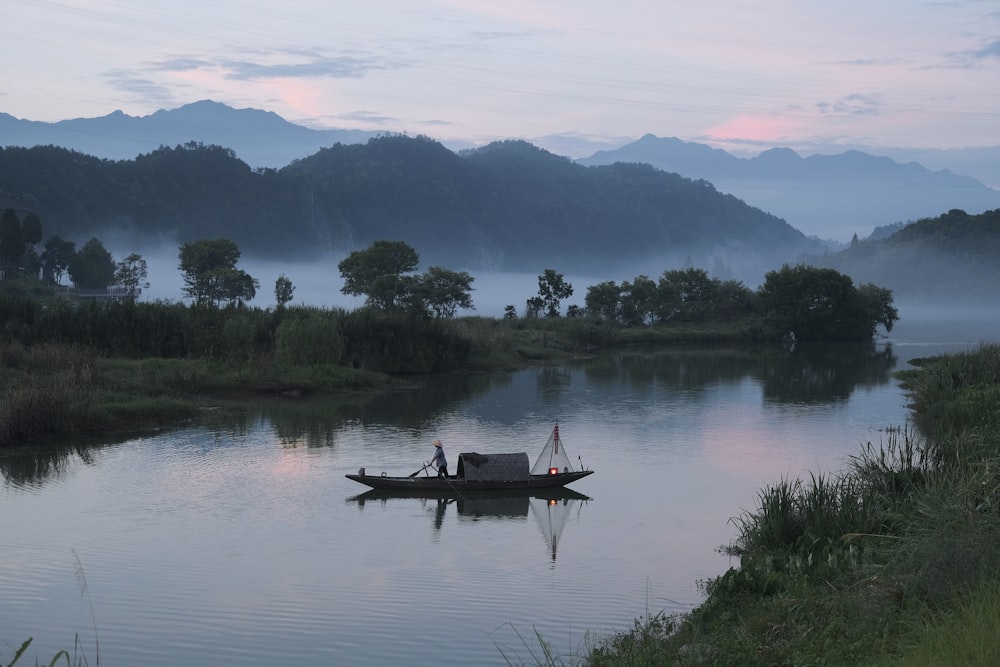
(71,366)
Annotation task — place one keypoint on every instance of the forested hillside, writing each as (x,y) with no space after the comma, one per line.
(507,206)
(952,258)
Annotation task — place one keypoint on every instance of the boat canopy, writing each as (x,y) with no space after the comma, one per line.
(493,467)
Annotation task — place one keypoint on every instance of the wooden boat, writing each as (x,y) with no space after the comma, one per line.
(487,472)
(548,494)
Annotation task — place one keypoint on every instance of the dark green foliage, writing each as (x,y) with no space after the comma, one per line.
(603,301)
(130,274)
(210,275)
(819,304)
(552,289)
(377,274)
(284,291)
(17,243)
(11,239)
(680,296)
(56,258)
(383,274)
(401,343)
(953,257)
(92,267)
(309,336)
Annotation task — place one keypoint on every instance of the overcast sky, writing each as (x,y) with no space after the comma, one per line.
(730,73)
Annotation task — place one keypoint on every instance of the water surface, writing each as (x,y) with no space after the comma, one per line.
(239,541)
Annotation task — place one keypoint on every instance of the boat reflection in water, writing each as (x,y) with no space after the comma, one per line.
(551,508)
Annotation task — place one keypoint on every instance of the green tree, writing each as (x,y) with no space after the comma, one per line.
(440,291)
(130,275)
(686,295)
(56,258)
(533,307)
(733,299)
(878,307)
(92,267)
(210,274)
(552,289)
(377,273)
(603,300)
(31,233)
(11,243)
(822,304)
(283,290)
(639,301)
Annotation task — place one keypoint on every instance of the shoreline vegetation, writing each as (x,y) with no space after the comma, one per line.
(53,390)
(71,367)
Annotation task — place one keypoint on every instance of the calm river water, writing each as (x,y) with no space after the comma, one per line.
(240,542)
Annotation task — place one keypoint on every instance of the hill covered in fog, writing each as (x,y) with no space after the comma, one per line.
(831,196)
(507,206)
(953,258)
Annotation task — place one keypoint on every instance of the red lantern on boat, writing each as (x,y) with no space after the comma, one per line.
(553,471)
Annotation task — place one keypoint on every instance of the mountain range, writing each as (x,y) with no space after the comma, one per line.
(832,197)
(648,206)
(508,206)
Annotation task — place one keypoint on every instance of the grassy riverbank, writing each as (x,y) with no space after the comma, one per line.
(896,561)
(54,390)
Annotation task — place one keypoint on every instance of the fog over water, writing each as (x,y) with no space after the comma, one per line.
(318,283)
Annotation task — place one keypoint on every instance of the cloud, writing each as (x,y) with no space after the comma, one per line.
(991,50)
(366,117)
(283,64)
(180,65)
(436,123)
(315,66)
(852,105)
(143,88)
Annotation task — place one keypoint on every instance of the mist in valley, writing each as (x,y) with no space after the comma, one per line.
(318,283)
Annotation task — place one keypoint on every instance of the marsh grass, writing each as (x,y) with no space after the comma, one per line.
(52,390)
(45,388)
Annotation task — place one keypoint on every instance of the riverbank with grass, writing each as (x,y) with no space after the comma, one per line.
(53,390)
(894,562)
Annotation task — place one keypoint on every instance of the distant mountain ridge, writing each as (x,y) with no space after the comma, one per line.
(828,196)
(259,138)
(823,195)
(509,206)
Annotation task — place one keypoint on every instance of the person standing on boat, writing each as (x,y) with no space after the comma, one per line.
(439,461)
